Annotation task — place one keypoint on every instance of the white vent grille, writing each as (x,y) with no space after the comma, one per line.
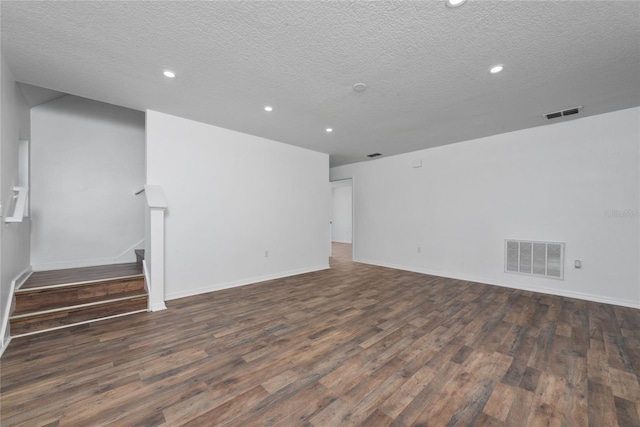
(534,258)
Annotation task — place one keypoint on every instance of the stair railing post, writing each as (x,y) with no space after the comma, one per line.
(154,246)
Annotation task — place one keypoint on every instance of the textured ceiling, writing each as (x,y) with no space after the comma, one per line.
(425,65)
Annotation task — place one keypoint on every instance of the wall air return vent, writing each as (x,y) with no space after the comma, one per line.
(534,258)
(564,113)
(374,155)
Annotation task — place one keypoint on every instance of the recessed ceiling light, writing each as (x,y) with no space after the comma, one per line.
(329,130)
(359,87)
(169,73)
(454,3)
(496,69)
(268,108)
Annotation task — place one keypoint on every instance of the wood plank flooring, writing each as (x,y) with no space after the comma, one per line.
(85,274)
(354,345)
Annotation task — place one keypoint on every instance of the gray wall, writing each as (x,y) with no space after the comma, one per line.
(87,161)
(14,238)
(575,182)
(341,207)
(232,197)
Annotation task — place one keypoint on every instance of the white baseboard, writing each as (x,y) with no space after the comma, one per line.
(128,255)
(243,282)
(157,307)
(5,344)
(511,285)
(151,306)
(22,277)
(5,333)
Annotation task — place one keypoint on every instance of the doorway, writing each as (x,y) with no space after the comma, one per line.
(342,214)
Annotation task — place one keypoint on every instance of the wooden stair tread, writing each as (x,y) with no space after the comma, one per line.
(41,279)
(89,283)
(77,315)
(62,305)
(63,298)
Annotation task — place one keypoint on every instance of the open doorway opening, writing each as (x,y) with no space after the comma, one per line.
(342,219)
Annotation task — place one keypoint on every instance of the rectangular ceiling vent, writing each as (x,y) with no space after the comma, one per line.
(564,113)
(534,258)
(374,155)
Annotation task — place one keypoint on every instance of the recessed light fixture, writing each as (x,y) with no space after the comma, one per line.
(454,3)
(268,108)
(329,130)
(359,87)
(169,73)
(496,69)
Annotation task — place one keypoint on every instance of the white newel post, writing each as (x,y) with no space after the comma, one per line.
(154,246)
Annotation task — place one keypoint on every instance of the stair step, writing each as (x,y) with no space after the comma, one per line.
(41,321)
(54,298)
(68,294)
(61,298)
(84,274)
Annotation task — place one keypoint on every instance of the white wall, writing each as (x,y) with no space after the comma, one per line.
(550,183)
(341,229)
(231,197)
(14,238)
(87,161)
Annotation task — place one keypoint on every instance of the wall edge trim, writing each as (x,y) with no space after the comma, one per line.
(5,332)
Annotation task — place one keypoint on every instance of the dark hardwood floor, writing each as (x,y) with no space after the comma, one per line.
(354,345)
(40,279)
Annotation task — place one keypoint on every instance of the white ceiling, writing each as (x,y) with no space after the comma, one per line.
(426,65)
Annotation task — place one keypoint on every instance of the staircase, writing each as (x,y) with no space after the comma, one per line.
(60,298)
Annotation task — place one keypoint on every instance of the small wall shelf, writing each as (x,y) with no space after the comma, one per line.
(20,197)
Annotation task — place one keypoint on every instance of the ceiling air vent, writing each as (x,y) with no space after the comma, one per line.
(374,155)
(569,112)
